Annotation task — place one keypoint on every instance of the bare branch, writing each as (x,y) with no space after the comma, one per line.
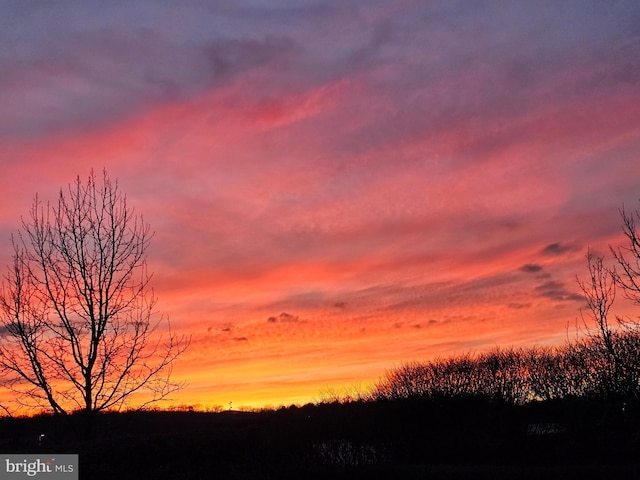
(77,314)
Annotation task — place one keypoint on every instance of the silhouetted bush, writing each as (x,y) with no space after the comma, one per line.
(519,376)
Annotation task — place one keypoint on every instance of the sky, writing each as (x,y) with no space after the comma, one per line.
(335,187)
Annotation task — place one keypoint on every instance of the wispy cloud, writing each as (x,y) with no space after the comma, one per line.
(531,268)
(556,290)
(555,249)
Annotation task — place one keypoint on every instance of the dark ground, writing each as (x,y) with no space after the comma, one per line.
(415,439)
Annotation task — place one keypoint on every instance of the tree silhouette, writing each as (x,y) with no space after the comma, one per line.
(78,330)
(616,341)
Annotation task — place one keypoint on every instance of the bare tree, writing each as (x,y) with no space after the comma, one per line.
(627,271)
(78,330)
(599,291)
(617,341)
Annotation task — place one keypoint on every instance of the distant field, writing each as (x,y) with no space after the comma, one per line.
(431,439)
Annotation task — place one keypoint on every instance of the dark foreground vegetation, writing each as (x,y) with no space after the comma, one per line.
(419,437)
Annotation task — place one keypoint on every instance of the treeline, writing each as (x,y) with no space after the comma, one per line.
(603,362)
(585,368)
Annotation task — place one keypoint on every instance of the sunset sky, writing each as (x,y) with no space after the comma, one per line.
(335,187)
